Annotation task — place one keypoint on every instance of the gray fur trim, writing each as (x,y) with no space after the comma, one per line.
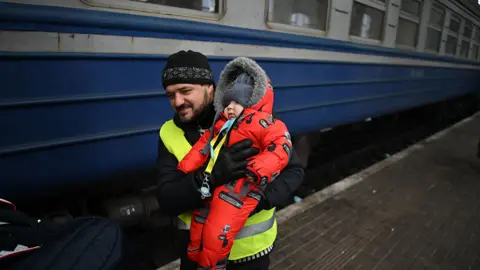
(234,68)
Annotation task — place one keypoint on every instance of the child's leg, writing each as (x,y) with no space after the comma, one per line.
(198,220)
(228,213)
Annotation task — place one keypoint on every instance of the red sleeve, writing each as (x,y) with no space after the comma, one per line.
(194,159)
(276,147)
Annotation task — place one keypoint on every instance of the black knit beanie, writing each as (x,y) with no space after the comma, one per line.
(187,67)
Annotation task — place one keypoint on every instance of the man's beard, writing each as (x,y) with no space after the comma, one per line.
(195,111)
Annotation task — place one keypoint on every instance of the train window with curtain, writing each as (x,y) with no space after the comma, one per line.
(210,6)
(407,33)
(454,25)
(367,19)
(475,51)
(451,45)
(433,40)
(413,7)
(191,8)
(464,48)
(476,36)
(435,27)
(310,14)
(467,29)
(408,23)
(437,16)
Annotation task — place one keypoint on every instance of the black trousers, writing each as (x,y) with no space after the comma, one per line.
(261,263)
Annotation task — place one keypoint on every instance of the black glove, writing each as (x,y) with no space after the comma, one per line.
(262,204)
(232,162)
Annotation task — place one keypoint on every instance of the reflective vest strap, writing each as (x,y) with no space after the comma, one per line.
(174,140)
(184,220)
(252,245)
(254,229)
(171,135)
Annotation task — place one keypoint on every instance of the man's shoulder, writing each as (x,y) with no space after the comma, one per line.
(167,122)
(166,128)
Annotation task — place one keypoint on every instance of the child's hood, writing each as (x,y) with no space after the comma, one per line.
(261,98)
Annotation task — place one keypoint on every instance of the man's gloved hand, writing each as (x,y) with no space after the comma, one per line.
(262,205)
(232,162)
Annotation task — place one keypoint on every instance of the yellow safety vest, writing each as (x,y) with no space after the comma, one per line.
(260,230)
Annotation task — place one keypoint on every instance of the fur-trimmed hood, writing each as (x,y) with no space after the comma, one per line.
(262,94)
(261,98)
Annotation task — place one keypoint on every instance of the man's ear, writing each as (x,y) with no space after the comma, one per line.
(210,90)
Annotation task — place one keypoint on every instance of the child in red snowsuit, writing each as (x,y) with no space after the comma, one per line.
(244,102)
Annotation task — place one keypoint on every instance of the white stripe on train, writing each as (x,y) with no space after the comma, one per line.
(29,41)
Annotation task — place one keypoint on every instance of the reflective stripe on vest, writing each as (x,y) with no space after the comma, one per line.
(259,231)
(174,140)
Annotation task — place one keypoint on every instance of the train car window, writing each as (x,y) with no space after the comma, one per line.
(367,21)
(433,40)
(200,5)
(464,48)
(451,45)
(407,33)
(413,7)
(467,29)
(211,9)
(454,23)
(300,13)
(437,16)
(434,29)
(476,37)
(475,51)
(408,23)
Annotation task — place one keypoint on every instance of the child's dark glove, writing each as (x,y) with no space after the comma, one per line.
(232,162)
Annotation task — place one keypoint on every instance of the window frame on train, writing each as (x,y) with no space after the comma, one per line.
(475,55)
(409,18)
(161,9)
(434,27)
(463,15)
(466,40)
(274,24)
(370,4)
(453,35)
(467,47)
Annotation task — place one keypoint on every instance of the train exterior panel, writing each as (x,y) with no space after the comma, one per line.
(82,100)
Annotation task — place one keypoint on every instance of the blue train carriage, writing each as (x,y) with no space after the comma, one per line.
(82,102)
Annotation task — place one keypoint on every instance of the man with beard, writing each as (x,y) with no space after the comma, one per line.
(188,82)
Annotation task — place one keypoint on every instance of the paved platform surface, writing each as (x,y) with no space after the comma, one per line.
(421,212)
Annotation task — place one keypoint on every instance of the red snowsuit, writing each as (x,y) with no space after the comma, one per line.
(213,228)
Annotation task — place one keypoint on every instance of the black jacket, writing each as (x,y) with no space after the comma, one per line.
(177,192)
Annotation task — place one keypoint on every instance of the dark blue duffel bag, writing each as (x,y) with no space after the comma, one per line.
(87,243)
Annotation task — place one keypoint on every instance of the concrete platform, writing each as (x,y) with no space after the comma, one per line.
(418,209)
